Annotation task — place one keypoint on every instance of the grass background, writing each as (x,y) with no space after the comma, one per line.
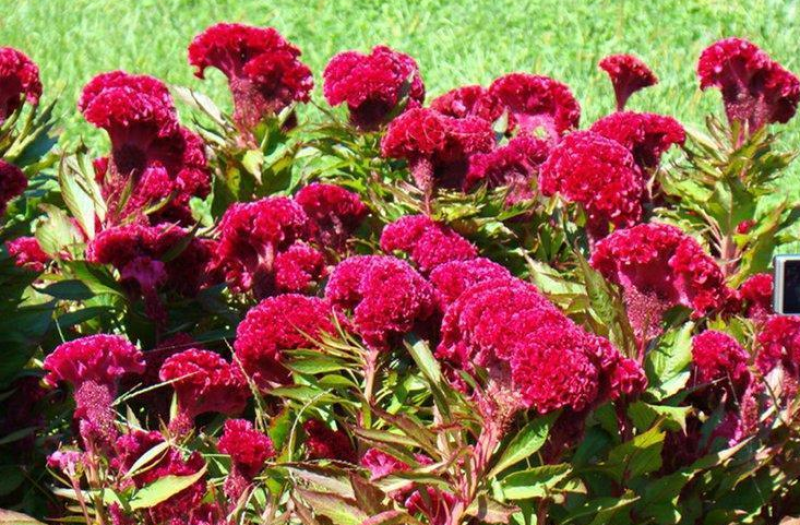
(455,42)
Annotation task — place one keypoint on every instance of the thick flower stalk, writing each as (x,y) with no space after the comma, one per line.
(19,81)
(264,71)
(372,86)
(756,90)
(628,75)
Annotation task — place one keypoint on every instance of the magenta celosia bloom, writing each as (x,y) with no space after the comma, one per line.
(536,102)
(299,268)
(426,242)
(756,90)
(373,85)
(380,464)
(131,447)
(451,279)
(19,81)
(324,443)
(779,345)
(153,159)
(515,165)
(205,382)
(265,74)
(601,175)
(334,213)
(12,184)
(27,253)
(251,236)
(719,357)
(469,101)
(659,267)
(103,359)
(435,506)
(436,147)
(386,297)
(248,448)
(756,294)
(284,322)
(628,75)
(646,135)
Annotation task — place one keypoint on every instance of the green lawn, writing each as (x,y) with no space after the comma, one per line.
(454,42)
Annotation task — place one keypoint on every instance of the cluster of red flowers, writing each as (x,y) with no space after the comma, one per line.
(264,71)
(154,162)
(19,80)
(756,89)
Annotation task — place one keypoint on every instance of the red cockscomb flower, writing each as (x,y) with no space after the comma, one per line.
(324,443)
(779,345)
(387,297)
(28,254)
(628,75)
(285,322)
(426,242)
(646,135)
(373,85)
(12,184)
(103,359)
(334,213)
(719,357)
(451,279)
(252,235)
(19,80)
(436,147)
(659,267)
(265,74)
(756,292)
(515,165)
(756,90)
(131,447)
(537,102)
(598,173)
(248,448)
(469,101)
(205,382)
(380,464)
(299,268)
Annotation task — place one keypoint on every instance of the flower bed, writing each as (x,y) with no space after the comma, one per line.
(468,310)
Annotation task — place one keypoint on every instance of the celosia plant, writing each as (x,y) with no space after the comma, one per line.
(463,312)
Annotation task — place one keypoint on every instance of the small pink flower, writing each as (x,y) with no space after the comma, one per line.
(756,293)
(248,448)
(28,254)
(719,357)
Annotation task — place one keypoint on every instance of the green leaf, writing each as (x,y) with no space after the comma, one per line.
(534,482)
(391,517)
(603,509)
(162,489)
(644,415)
(667,365)
(315,365)
(341,511)
(9,517)
(487,510)
(95,277)
(636,457)
(69,289)
(527,441)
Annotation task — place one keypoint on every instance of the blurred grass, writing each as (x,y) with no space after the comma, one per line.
(454,42)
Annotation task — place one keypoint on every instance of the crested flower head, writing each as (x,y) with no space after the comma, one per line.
(598,173)
(12,184)
(536,102)
(373,85)
(628,75)
(469,101)
(427,243)
(387,298)
(334,213)
(452,278)
(101,358)
(264,71)
(779,345)
(248,448)
(324,443)
(19,81)
(719,357)
(515,165)
(756,90)
(756,294)
(284,322)
(646,135)
(252,235)
(27,253)
(299,268)
(436,147)
(205,382)
(659,267)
